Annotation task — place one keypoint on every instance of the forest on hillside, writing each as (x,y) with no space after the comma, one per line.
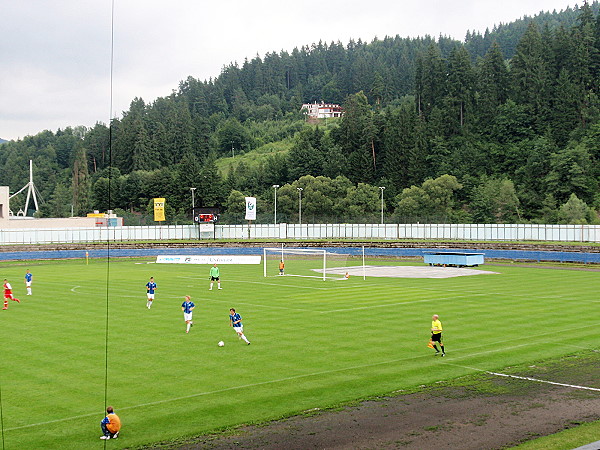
(501,128)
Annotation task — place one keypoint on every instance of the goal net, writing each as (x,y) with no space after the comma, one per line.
(304,262)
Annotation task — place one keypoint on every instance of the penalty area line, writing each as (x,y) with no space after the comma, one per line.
(536,380)
(574,386)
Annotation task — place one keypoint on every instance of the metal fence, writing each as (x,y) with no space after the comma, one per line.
(466,232)
(462,232)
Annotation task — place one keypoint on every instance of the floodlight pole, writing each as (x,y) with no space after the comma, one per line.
(382,188)
(300,205)
(275,186)
(193,202)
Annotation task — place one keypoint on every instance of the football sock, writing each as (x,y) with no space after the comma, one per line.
(436,349)
(244,338)
(188,328)
(28,291)
(443,351)
(211,285)
(5,304)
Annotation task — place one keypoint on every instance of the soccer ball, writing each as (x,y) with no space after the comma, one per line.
(221,344)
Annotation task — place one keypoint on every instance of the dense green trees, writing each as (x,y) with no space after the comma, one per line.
(503,127)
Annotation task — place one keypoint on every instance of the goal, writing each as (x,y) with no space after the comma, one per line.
(303,262)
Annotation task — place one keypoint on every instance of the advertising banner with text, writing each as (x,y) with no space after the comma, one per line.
(208,259)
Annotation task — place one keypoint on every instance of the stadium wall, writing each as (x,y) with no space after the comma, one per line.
(151,250)
(458,232)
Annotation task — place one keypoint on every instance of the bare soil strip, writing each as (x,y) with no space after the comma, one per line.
(475,412)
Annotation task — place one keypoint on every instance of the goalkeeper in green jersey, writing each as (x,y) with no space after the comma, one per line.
(215,276)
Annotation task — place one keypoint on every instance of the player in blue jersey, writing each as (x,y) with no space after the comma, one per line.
(235,320)
(28,281)
(150,288)
(187,307)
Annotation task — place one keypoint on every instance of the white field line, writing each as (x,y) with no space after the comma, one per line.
(537,380)
(381,305)
(505,294)
(268,284)
(358,308)
(544,381)
(218,391)
(204,298)
(241,302)
(531,336)
(384,305)
(308,375)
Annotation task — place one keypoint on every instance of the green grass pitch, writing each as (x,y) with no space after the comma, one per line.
(314,344)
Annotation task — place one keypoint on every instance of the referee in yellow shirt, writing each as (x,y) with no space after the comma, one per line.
(436,334)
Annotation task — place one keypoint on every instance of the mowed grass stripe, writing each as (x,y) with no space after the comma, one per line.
(301,356)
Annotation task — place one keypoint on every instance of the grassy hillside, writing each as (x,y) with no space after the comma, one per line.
(254,157)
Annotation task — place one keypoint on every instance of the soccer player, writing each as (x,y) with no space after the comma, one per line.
(187,307)
(150,288)
(347,276)
(214,276)
(28,280)
(436,334)
(111,425)
(281,267)
(8,294)
(235,320)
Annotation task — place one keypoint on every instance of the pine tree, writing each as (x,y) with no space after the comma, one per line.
(81,184)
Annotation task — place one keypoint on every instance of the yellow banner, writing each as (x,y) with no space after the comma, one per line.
(159,209)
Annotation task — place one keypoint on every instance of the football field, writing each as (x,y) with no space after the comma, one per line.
(85,337)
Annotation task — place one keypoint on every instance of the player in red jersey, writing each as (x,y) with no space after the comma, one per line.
(8,294)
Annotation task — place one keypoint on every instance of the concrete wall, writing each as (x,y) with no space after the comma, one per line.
(4,202)
(31,223)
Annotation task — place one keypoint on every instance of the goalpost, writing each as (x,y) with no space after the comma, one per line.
(302,262)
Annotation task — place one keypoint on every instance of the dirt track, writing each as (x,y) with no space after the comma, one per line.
(483,412)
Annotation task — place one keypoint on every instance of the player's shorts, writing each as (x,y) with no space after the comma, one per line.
(214,278)
(436,337)
(238,329)
(150,296)
(187,316)
(28,283)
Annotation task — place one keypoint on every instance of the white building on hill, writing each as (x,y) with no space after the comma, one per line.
(322,110)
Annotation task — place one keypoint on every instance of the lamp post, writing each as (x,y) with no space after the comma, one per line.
(300,205)
(382,188)
(275,186)
(193,203)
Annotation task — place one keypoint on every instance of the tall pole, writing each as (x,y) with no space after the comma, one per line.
(300,205)
(382,188)
(275,186)
(193,203)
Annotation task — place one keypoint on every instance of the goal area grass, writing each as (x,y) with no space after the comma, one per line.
(86,331)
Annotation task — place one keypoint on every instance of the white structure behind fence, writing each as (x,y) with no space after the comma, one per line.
(463,232)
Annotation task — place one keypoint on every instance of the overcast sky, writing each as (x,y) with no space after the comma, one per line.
(56,54)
